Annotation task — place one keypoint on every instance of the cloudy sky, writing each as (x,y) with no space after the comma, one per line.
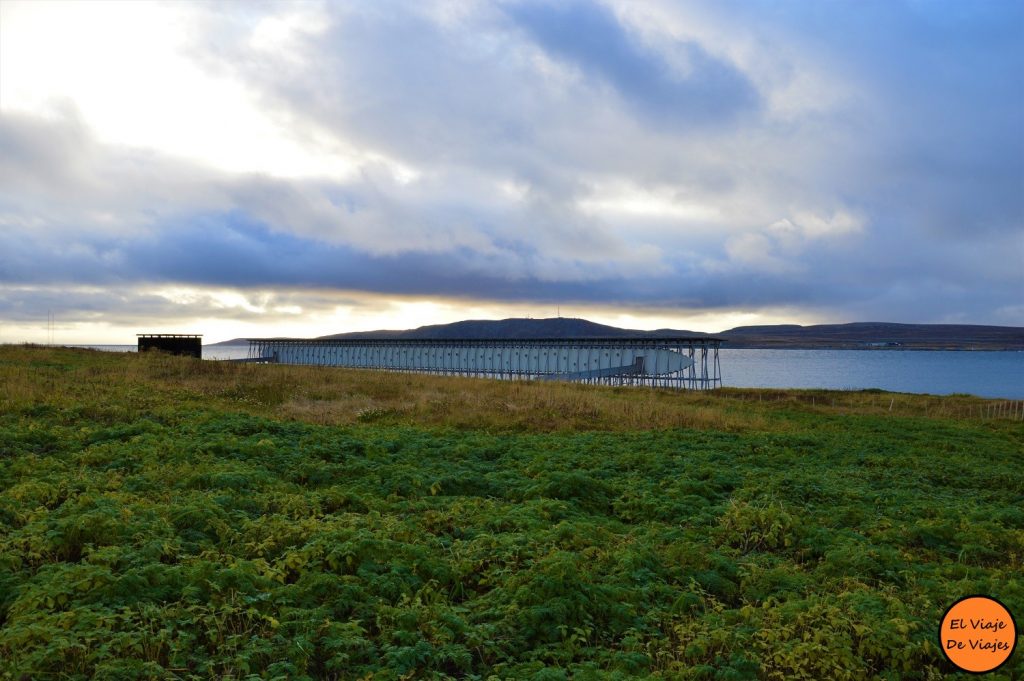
(303,168)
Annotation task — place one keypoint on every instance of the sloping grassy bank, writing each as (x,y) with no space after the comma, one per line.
(167,518)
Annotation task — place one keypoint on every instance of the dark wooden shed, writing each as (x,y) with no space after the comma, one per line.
(174,343)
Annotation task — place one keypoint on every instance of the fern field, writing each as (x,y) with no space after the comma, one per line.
(163,518)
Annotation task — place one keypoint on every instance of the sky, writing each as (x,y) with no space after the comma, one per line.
(304,168)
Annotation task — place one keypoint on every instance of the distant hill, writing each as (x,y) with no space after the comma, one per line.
(860,335)
(487,329)
(236,341)
(878,335)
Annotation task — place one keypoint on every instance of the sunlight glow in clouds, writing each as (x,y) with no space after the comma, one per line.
(125,68)
(224,314)
(640,202)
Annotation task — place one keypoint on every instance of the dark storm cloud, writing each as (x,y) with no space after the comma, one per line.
(588,36)
(229,251)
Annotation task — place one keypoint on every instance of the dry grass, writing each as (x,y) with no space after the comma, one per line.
(130,383)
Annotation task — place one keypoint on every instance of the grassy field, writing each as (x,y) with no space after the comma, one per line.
(168,518)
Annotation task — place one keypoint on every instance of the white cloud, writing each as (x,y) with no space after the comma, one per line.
(795,80)
(777,248)
(757,252)
(126,68)
(624,199)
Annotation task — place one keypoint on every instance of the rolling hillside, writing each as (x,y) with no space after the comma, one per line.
(858,335)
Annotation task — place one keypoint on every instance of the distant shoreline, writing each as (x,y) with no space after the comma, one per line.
(726,345)
(851,336)
(732,345)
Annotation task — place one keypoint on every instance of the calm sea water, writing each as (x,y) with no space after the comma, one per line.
(987,374)
(939,372)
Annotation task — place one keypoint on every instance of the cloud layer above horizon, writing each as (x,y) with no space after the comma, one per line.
(836,162)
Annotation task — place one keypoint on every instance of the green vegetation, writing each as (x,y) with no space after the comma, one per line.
(169,518)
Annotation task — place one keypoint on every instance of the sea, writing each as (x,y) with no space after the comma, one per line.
(936,372)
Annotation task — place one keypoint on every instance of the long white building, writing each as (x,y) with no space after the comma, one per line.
(671,362)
